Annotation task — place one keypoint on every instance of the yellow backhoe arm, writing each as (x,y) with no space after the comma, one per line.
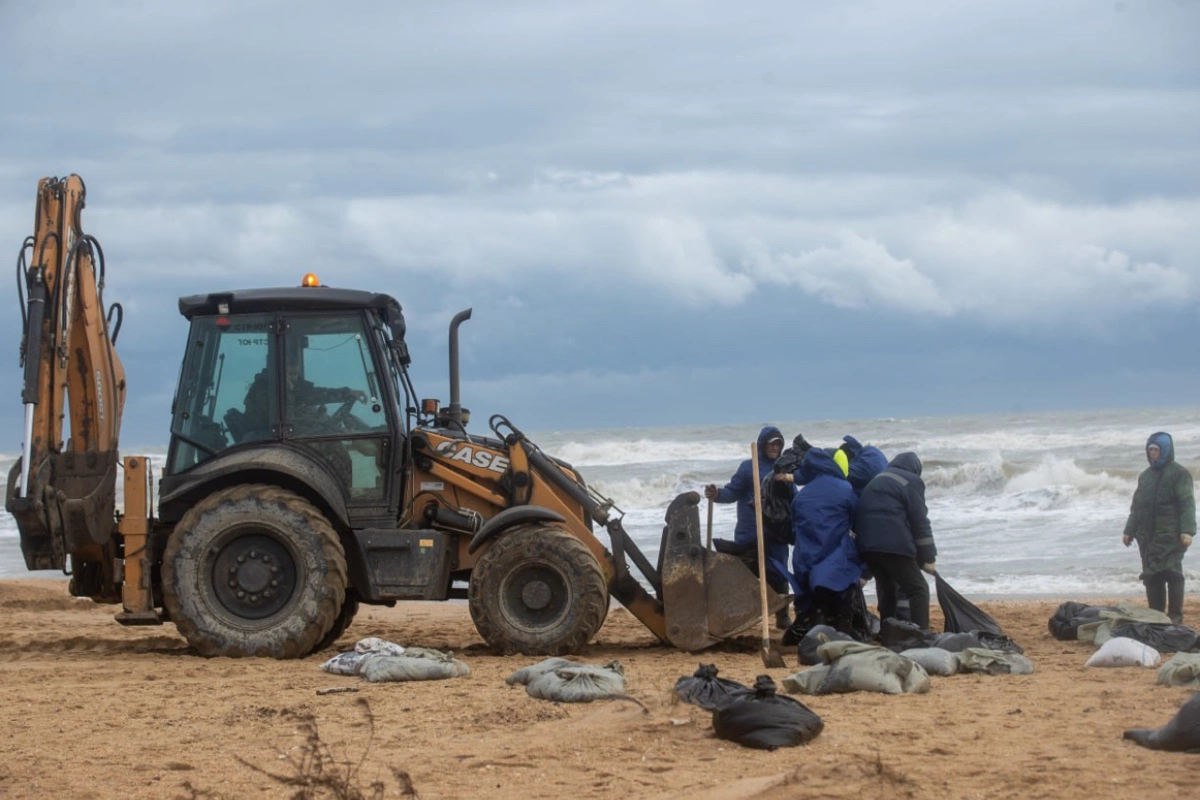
(63,492)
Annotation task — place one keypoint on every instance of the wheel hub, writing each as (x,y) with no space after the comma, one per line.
(536,595)
(253,575)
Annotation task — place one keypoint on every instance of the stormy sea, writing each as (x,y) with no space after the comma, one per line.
(1022,505)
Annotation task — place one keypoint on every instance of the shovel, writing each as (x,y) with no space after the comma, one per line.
(771,656)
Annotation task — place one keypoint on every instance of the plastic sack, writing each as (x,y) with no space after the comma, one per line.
(344,663)
(761,719)
(1180,735)
(1100,631)
(417,664)
(1182,669)
(818,635)
(956,642)
(705,689)
(1170,638)
(993,662)
(806,681)
(1064,624)
(857,667)
(579,683)
(897,634)
(524,675)
(960,613)
(934,660)
(1122,652)
(373,644)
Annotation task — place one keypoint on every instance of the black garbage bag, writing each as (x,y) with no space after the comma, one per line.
(957,642)
(818,635)
(705,689)
(960,613)
(897,634)
(1181,734)
(1064,624)
(777,511)
(991,641)
(1162,637)
(764,720)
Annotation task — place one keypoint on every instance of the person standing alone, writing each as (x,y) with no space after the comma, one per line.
(1162,519)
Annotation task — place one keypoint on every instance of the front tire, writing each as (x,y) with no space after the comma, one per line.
(254,570)
(538,591)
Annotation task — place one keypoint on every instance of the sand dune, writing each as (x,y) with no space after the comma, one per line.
(94,710)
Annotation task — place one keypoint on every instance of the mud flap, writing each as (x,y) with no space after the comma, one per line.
(707,596)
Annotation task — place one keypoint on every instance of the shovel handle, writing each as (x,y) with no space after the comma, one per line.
(762,556)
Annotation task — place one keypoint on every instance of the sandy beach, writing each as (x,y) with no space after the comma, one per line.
(94,710)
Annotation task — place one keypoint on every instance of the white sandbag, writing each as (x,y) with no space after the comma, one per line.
(579,683)
(344,663)
(373,644)
(1121,651)
(934,660)
(1182,669)
(412,667)
(524,675)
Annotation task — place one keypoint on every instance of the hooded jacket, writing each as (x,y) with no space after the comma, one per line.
(1164,506)
(824,554)
(892,516)
(740,490)
(866,461)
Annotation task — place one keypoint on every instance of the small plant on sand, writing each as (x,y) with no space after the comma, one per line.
(317,773)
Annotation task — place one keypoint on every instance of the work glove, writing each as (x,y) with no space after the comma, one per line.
(1185,539)
(710,491)
(931,568)
(1127,540)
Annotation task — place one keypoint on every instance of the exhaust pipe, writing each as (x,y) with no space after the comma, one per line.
(454,412)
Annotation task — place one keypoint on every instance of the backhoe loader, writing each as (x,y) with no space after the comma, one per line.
(303,478)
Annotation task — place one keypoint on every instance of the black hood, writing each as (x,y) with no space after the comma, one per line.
(908,462)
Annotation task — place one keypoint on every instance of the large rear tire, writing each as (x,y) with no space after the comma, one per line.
(344,618)
(254,570)
(538,591)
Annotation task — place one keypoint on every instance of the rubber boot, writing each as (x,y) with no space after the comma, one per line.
(783,619)
(1156,592)
(1175,598)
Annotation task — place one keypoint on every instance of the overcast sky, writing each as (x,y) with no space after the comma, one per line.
(672,212)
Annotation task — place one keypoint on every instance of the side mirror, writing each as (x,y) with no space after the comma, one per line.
(401,350)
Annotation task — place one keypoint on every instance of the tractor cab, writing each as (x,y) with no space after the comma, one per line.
(315,368)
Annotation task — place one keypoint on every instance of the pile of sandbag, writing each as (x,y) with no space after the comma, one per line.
(379,660)
(858,667)
(1074,621)
(565,681)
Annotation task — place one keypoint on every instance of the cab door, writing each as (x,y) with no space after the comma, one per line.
(335,405)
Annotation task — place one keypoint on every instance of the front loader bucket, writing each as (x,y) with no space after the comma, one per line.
(707,596)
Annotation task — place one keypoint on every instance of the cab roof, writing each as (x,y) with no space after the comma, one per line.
(290,298)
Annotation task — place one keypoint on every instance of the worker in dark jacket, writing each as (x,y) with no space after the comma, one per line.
(1163,521)
(894,538)
(824,560)
(740,490)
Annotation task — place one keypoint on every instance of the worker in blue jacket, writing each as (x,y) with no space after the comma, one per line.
(744,544)
(825,560)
